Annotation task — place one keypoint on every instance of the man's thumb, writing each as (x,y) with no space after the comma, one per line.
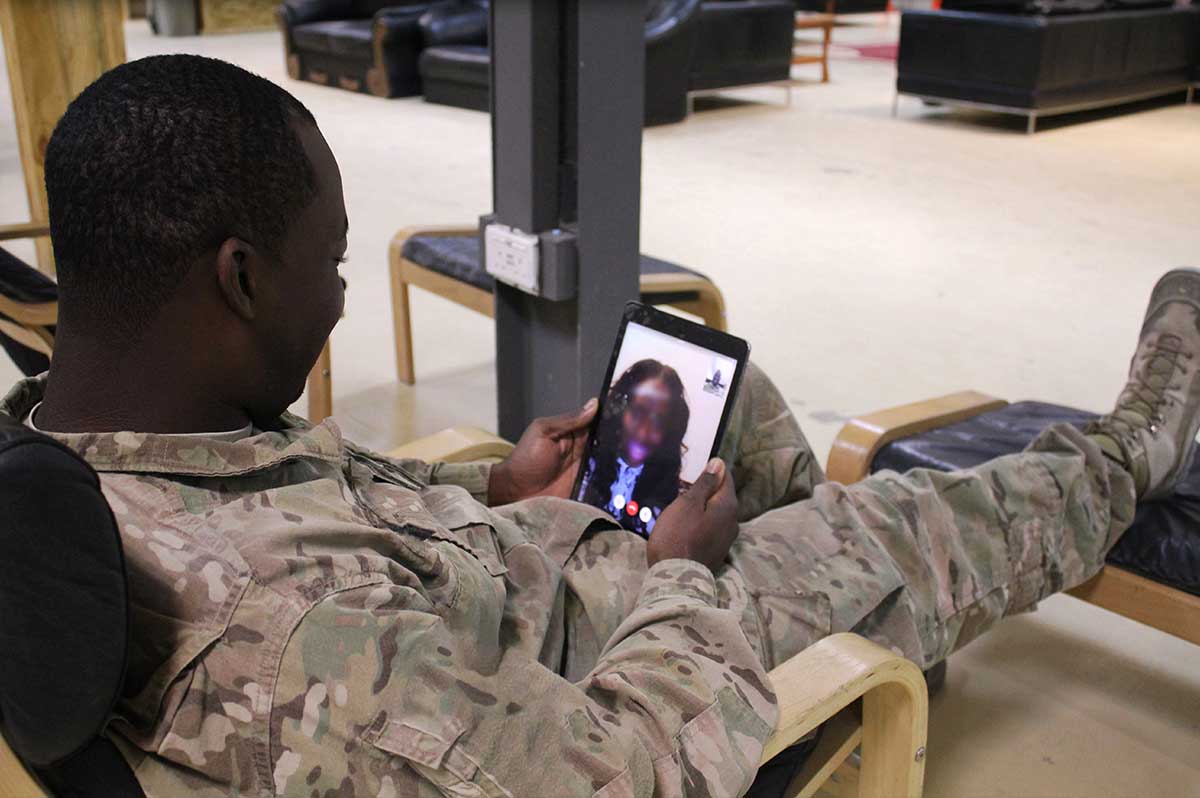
(710,481)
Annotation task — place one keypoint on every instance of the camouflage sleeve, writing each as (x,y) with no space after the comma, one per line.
(472,477)
(378,695)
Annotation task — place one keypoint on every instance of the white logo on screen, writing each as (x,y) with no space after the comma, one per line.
(717,383)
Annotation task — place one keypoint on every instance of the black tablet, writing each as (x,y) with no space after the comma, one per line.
(664,405)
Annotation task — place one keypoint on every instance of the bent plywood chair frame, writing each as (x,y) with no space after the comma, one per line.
(1115,589)
(709,303)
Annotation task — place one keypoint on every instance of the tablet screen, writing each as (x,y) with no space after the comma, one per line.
(658,425)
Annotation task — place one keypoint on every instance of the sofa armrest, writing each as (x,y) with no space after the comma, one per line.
(15,780)
(455,445)
(461,22)
(672,20)
(861,438)
(299,12)
(394,25)
(826,678)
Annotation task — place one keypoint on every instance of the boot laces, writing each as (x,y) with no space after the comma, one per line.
(1141,404)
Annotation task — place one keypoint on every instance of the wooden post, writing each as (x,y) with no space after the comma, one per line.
(54,49)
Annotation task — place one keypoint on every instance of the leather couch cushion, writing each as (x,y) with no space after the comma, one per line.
(461,63)
(21,282)
(1164,542)
(63,602)
(458,257)
(345,37)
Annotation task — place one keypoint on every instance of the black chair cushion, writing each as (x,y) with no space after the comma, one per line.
(458,257)
(63,602)
(344,37)
(1163,543)
(21,282)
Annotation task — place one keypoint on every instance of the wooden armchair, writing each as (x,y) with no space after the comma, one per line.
(454,273)
(1116,589)
(28,323)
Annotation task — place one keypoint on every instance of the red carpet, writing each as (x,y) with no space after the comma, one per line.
(879,52)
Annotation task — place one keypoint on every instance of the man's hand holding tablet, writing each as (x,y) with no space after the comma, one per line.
(701,524)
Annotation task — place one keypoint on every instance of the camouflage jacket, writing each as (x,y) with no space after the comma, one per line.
(310,618)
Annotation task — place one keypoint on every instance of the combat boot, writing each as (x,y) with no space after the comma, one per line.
(1152,429)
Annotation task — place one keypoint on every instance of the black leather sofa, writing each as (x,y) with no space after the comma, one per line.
(844,6)
(690,46)
(361,45)
(1042,57)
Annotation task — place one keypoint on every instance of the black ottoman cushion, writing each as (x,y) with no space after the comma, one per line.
(458,257)
(1164,542)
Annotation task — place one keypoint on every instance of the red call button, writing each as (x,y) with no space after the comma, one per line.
(631,508)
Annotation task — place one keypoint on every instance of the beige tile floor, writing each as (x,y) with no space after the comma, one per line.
(870,261)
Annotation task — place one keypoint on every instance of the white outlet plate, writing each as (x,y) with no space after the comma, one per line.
(512,257)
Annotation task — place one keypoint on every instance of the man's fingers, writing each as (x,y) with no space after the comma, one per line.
(555,426)
(726,498)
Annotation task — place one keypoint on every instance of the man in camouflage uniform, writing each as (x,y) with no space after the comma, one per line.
(314,619)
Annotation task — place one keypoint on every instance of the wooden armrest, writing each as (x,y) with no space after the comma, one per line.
(15,781)
(24,230)
(455,445)
(827,677)
(39,314)
(862,438)
(1143,600)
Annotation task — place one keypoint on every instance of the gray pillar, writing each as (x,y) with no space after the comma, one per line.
(567,107)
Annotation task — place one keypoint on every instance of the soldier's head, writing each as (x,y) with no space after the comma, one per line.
(193,201)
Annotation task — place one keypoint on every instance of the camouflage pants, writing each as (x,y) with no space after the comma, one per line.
(922,562)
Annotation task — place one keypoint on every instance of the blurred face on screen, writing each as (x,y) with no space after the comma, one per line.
(645,420)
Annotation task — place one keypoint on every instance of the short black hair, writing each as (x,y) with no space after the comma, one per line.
(156,162)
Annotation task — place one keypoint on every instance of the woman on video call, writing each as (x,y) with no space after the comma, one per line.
(639,446)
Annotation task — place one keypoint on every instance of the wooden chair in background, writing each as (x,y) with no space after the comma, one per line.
(815,21)
(461,279)
(28,323)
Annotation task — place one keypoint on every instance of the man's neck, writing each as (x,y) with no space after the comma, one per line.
(146,391)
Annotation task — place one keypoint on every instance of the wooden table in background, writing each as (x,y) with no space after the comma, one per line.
(823,22)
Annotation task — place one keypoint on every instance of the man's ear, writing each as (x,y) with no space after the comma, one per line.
(235,274)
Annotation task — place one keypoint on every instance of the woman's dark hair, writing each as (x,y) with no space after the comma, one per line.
(659,483)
